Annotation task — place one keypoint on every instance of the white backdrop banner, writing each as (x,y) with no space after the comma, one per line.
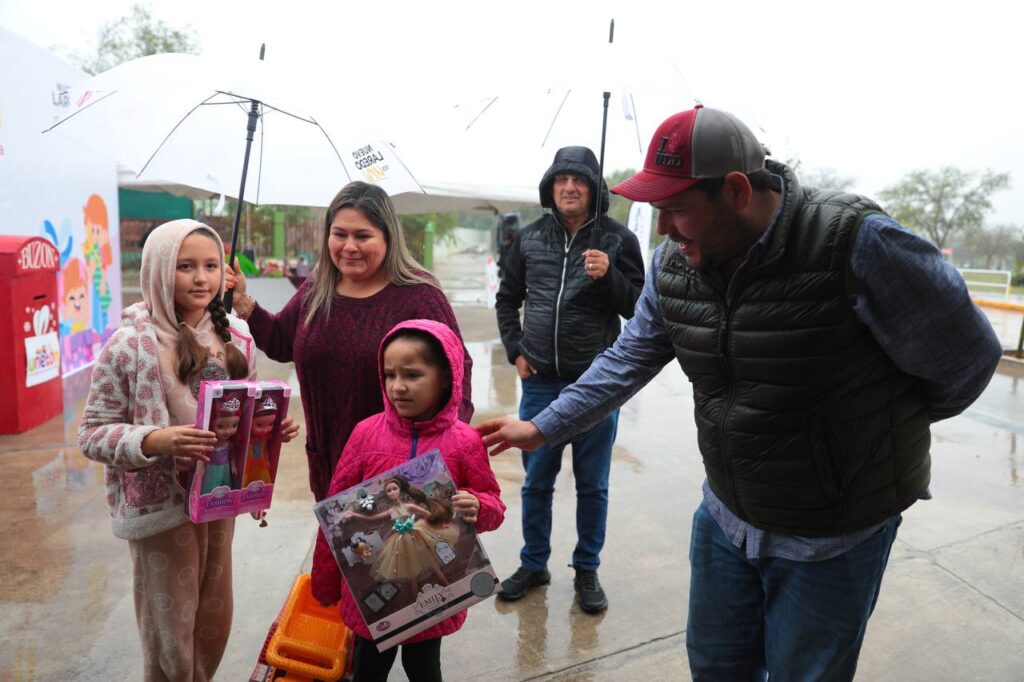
(60,190)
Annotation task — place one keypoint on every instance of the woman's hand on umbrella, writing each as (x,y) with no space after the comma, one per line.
(234,280)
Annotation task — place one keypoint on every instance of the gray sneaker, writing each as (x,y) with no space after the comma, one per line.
(522,581)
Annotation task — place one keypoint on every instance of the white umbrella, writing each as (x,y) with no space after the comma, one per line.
(562,103)
(240,129)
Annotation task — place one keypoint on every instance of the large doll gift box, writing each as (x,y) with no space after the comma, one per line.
(239,478)
(406,560)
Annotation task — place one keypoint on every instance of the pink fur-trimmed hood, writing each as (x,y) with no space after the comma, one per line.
(453,351)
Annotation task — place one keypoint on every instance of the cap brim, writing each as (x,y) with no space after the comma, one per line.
(647,186)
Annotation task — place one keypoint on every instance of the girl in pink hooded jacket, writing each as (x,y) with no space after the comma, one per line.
(422,391)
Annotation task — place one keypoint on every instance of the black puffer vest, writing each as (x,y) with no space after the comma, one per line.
(805,425)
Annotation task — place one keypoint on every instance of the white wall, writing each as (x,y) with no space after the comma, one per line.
(465,238)
(46,184)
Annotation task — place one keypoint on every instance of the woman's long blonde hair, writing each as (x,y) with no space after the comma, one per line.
(399,266)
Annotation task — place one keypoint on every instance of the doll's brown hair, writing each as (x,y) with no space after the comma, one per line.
(440,512)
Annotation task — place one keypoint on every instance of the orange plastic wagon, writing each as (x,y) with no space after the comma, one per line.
(311,642)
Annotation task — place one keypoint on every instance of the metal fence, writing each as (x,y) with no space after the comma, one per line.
(987,280)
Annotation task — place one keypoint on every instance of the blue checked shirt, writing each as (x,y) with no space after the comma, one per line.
(916,306)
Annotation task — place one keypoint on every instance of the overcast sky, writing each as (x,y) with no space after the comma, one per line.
(872,89)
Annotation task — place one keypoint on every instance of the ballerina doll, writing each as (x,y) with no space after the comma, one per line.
(421,531)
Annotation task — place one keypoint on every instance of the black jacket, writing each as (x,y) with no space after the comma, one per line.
(568,318)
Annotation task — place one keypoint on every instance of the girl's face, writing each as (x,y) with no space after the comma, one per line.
(357,246)
(197,278)
(393,491)
(414,387)
(93,233)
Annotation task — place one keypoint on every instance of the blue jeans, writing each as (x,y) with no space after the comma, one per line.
(792,620)
(591,462)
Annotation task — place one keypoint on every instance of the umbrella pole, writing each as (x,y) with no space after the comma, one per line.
(254,115)
(595,237)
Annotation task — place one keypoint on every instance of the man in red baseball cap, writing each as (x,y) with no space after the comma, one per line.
(796,314)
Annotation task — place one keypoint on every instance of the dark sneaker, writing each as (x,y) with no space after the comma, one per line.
(588,588)
(522,581)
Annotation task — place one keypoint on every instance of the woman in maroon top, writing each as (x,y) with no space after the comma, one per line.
(365,283)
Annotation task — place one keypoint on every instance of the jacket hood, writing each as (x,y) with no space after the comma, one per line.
(159,264)
(454,352)
(578,160)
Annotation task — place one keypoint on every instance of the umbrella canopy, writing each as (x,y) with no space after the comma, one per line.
(436,197)
(439,197)
(182,119)
(535,112)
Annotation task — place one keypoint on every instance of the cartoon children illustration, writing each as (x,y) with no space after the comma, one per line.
(227,412)
(77,336)
(98,258)
(420,526)
(74,299)
(257,466)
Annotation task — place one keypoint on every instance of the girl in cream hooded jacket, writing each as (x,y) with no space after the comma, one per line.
(182,571)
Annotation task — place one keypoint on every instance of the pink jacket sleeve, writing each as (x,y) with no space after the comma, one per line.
(479,480)
(325,581)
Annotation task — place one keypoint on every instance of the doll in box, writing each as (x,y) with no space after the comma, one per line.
(227,412)
(257,464)
(421,531)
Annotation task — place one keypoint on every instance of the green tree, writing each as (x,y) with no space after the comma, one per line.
(137,35)
(998,245)
(945,203)
(414,227)
(819,177)
(825,178)
(618,207)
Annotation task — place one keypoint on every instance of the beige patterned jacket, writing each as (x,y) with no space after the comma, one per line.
(125,404)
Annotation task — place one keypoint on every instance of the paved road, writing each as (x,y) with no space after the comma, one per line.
(951,608)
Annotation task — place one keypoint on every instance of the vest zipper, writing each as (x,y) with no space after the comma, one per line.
(728,296)
(837,476)
(415,441)
(730,399)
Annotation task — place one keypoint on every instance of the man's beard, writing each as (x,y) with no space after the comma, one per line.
(733,235)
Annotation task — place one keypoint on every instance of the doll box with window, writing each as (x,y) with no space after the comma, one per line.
(264,447)
(406,560)
(246,416)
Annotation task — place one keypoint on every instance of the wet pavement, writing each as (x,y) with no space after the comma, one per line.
(951,607)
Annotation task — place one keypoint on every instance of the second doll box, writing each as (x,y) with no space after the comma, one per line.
(246,416)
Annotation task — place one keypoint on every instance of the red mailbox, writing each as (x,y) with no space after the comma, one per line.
(30,380)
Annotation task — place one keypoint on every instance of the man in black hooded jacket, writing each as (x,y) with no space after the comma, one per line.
(575,272)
